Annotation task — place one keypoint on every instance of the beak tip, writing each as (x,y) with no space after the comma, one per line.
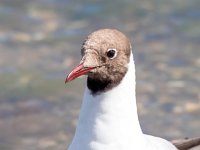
(67,80)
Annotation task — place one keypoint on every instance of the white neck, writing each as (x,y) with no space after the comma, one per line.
(109,121)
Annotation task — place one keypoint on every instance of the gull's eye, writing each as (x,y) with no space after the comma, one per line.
(111,53)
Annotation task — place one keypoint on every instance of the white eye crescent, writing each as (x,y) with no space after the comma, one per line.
(111,53)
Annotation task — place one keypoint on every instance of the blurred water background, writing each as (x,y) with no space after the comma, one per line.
(40,43)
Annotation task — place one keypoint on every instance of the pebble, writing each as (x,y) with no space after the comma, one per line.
(192,107)
(178,109)
(176,84)
(47,143)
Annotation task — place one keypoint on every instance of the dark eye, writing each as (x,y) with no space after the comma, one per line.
(111,53)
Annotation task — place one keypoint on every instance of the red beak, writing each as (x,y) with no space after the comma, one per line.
(78,71)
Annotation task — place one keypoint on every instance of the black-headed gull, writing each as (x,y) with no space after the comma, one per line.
(108,117)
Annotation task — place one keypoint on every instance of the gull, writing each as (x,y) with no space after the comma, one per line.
(108,118)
